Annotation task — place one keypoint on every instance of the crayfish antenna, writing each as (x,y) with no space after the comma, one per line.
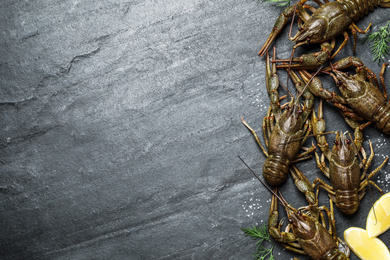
(283,201)
(302,137)
(289,63)
(331,65)
(291,95)
(292,21)
(310,80)
(289,36)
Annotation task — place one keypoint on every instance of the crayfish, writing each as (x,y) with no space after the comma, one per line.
(284,137)
(360,93)
(309,235)
(347,183)
(322,26)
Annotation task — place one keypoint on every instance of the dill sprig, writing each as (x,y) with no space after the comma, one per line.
(261,233)
(380,42)
(279,2)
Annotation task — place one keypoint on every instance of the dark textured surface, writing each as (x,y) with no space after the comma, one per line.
(121,128)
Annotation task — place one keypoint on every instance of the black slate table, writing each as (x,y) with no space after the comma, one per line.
(121,126)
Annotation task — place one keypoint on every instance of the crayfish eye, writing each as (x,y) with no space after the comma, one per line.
(299,213)
(336,142)
(347,74)
(339,82)
(348,141)
(290,220)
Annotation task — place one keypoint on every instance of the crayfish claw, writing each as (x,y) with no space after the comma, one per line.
(278,26)
(305,62)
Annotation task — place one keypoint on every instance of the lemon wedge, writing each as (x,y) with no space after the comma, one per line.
(364,247)
(380,221)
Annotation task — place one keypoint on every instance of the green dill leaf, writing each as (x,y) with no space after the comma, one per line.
(257,232)
(380,42)
(261,233)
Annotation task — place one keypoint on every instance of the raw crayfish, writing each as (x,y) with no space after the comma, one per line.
(347,183)
(360,93)
(284,138)
(326,22)
(309,235)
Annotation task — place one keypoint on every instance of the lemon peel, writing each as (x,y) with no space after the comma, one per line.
(363,246)
(379,222)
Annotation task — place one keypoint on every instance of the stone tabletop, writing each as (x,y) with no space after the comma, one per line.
(121,126)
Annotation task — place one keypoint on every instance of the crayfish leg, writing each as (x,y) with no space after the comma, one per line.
(346,38)
(318,124)
(268,125)
(343,247)
(306,154)
(349,115)
(355,29)
(367,180)
(351,122)
(321,164)
(273,217)
(272,83)
(255,136)
(303,184)
(325,186)
(286,239)
(382,79)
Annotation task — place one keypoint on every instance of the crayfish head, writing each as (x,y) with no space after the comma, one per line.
(343,152)
(349,86)
(312,31)
(303,225)
(292,117)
